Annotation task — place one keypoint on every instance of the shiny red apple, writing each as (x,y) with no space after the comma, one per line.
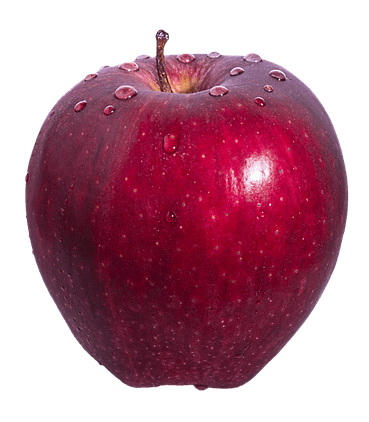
(186,214)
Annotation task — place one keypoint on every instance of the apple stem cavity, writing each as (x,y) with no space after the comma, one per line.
(161,39)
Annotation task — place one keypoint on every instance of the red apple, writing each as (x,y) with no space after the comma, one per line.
(186,236)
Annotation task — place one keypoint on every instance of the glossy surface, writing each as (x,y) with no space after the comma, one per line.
(198,265)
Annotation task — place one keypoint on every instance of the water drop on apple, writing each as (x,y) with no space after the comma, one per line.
(253,58)
(277,74)
(236,71)
(259,101)
(268,88)
(186,58)
(170,217)
(91,76)
(214,55)
(109,110)
(142,57)
(125,92)
(129,67)
(171,143)
(80,106)
(218,91)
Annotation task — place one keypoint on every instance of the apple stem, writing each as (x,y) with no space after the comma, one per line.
(161,39)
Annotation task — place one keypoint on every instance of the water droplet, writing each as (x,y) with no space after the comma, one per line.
(80,106)
(109,110)
(171,143)
(236,71)
(214,55)
(218,91)
(27,177)
(268,88)
(129,67)
(259,101)
(72,186)
(142,57)
(170,217)
(125,92)
(277,74)
(253,58)
(186,58)
(91,76)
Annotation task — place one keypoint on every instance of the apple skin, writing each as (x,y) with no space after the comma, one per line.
(195,266)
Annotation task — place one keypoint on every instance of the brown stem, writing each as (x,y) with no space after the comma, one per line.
(161,39)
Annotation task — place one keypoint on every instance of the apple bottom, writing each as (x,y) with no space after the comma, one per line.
(206,346)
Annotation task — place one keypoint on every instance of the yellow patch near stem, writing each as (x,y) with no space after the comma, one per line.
(183,84)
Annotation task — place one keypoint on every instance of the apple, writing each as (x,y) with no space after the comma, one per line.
(186,213)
